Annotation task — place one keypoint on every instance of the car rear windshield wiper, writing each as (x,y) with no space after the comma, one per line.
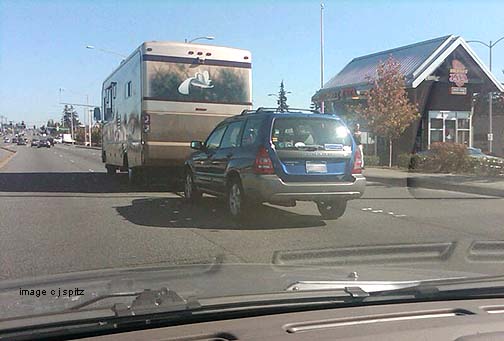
(146,302)
(307,147)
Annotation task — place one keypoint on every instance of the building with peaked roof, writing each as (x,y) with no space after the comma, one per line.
(443,76)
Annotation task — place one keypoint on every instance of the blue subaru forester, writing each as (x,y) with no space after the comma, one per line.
(265,155)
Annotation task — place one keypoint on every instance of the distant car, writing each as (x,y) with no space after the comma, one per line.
(58,140)
(7,139)
(44,143)
(277,157)
(34,143)
(21,142)
(51,141)
(478,153)
(14,140)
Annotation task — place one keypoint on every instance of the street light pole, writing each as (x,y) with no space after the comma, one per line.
(92,47)
(322,51)
(490,46)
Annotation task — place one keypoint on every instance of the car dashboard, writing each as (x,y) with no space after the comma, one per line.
(463,320)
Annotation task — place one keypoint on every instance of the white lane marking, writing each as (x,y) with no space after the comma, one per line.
(90,170)
(370,209)
(61,155)
(72,161)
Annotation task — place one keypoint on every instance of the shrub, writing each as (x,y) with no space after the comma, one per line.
(487,167)
(404,160)
(447,157)
(410,161)
(371,160)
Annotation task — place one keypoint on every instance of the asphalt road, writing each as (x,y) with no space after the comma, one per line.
(60,212)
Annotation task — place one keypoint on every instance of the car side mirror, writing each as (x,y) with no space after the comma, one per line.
(198,145)
(97,114)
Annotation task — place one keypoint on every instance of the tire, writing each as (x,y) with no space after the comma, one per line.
(235,200)
(331,210)
(191,192)
(111,170)
(134,176)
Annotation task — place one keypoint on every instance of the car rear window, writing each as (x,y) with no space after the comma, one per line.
(299,132)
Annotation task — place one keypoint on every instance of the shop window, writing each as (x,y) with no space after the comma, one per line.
(450,126)
(450,129)
(436,123)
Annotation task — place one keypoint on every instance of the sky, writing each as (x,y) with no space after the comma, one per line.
(43,43)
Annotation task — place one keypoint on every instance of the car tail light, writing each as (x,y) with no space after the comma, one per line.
(263,163)
(357,166)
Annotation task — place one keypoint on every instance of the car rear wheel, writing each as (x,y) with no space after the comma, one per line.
(111,170)
(332,209)
(235,199)
(191,192)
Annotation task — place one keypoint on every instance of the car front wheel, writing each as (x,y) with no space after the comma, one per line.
(134,176)
(331,209)
(191,192)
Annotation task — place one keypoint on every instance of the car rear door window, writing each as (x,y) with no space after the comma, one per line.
(231,137)
(297,132)
(251,131)
(215,138)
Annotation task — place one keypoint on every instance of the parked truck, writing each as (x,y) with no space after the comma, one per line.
(163,96)
(67,138)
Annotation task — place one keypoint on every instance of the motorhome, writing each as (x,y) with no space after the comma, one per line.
(163,96)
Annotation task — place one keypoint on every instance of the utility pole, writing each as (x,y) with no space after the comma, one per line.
(71,123)
(490,46)
(322,51)
(90,119)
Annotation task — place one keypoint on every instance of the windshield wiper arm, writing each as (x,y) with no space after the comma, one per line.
(446,287)
(147,302)
(366,286)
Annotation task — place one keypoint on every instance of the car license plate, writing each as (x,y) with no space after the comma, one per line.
(316,167)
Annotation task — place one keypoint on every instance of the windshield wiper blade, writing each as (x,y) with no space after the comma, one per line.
(147,302)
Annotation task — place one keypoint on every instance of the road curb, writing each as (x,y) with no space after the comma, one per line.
(87,147)
(8,158)
(8,149)
(430,183)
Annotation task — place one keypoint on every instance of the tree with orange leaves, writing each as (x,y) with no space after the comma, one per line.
(388,111)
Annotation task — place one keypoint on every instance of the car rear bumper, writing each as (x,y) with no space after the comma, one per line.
(270,188)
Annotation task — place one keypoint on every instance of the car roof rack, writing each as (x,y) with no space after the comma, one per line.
(261,110)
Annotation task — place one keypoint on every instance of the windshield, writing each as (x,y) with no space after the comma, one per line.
(233,148)
(299,132)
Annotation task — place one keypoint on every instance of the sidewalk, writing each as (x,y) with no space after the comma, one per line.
(449,182)
(5,155)
(87,147)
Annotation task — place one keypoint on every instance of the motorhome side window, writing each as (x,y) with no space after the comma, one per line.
(128,89)
(108,103)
